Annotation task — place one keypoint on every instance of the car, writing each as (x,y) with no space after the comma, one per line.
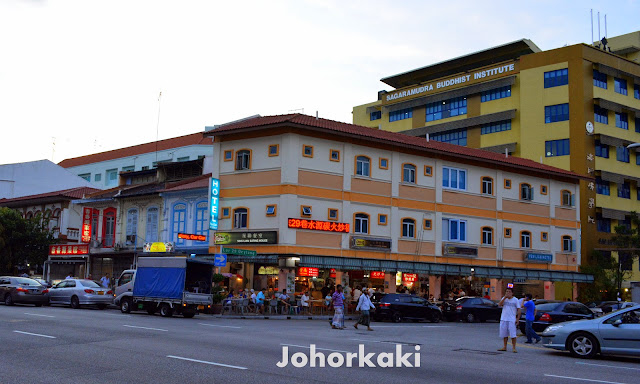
(616,333)
(556,312)
(77,292)
(22,290)
(44,282)
(400,306)
(472,309)
(611,306)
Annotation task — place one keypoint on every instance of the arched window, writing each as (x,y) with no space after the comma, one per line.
(567,244)
(525,239)
(363,166)
(361,223)
(567,198)
(54,221)
(109,228)
(152,225)
(240,218)
(132,226)
(408,228)
(94,224)
(487,186)
(409,173)
(29,215)
(243,160)
(487,235)
(526,192)
(202,227)
(179,221)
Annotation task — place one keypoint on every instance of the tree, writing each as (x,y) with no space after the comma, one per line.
(627,244)
(22,241)
(602,267)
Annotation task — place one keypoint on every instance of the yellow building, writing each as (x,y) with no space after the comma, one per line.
(575,107)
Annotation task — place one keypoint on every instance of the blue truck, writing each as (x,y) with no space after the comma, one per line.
(166,285)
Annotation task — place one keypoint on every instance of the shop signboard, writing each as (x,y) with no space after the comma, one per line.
(358,242)
(457,250)
(376,275)
(86,225)
(317,225)
(538,257)
(158,247)
(268,270)
(241,252)
(332,273)
(214,202)
(409,278)
(259,237)
(191,236)
(69,250)
(308,272)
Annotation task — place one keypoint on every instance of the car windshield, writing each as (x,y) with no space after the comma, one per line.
(25,281)
(90,284)
(547,307)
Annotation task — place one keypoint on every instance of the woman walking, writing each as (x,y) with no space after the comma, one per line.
(338,306)
(364,305)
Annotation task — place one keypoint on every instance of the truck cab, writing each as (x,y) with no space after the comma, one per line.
(124,286)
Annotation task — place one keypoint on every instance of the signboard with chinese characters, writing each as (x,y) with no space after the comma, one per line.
(409,278)
(69,250)
(267,270)
(308,272)
(261,237)
(214,202)
(369,243)
(190,236)
(539,257)
(376,275)
(86,225)
(317,225)
(456,250)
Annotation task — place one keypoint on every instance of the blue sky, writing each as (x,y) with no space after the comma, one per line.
(87,74)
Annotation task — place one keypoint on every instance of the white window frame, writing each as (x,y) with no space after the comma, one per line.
(362,220)
(528,196)
(410,225)
(568,245)
(461,230)
(448,172)
(528,239)
(237,218)
(411,170)
(487,234)
(488,182)
(364,161)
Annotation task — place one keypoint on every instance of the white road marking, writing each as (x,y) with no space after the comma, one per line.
(436,326)
(579,378)
(151,329)
(608,366)
(37,314)
(369,341)
(317,349)
(206,362)
(36,334)
(220,326)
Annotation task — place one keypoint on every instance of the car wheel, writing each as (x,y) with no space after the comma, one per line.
(396,318)
(435,317)
(471,318)
(102,306)
(166,310)
(8,300)
(75,302)
(125,305)
(583,345)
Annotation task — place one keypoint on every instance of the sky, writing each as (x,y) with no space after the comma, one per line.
(80,77)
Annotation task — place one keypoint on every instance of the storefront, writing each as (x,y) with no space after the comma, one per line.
(66,260)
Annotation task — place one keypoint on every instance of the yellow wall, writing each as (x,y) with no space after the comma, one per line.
(361,117)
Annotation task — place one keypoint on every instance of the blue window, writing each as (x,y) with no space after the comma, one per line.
(448,108)
(377,115)
(603,224)
(498,126)
(624,190)
(601,115)
(496,93)
(457,137)
(454,178)
(556,148)
(602,187)
(637,126)
(599,79)
(454,230)
(620,86)
(556,78)
(401,114)
(602,150)
(622,154)
(202,219)
(636,91)
(638,193)
(553,113)
(622,120)
(178,224)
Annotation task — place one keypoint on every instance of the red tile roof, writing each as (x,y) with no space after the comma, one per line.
(175,142)
(398,139)
(66,194)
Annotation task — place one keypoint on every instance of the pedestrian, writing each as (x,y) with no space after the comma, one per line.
(69,276)
(461,293)
(253,296)
(510,313)
(327,299)
(347,293)
(284,301)
(338,305)
(304,302)
(356,293)
(105,281)
(364,306)
(530,316)
(260,300)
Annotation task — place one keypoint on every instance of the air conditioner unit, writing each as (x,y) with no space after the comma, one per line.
(95,244)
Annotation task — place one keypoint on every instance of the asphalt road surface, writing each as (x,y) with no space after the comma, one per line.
(62,345)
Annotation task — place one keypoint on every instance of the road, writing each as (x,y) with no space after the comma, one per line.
(62,345)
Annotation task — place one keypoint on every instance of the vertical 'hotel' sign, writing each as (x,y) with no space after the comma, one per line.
(213,204)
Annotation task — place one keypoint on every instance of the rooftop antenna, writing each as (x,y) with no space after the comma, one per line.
(158,125)
(605,25)
(316,115)
(53,148)
(592,41)
(506,152)
(598,25)
(427,137)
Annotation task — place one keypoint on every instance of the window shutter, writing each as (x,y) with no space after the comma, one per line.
(573,200)
(445,229)
(573,246)
(531,193)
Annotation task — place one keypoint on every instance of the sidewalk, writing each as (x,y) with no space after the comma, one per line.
(282,317)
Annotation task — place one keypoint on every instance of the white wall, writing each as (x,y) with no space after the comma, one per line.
(35,177)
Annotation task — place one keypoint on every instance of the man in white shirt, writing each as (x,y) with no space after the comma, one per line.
(304,302)
(253,296)
(510,315)
(356,294)
(105,280)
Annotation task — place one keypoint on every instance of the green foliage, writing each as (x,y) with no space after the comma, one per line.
(22,241)
(217,296)
(602,266)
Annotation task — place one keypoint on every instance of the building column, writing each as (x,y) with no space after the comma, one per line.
(389,282)
(575,292)
(338,278)
(549,290)
(495,291)
(435,286)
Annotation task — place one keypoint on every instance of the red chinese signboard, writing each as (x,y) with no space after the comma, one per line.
(332,273)
(86,225)
(317,225)
(308,272)
(410,277)
(189,236)
(376,275)
(69,250)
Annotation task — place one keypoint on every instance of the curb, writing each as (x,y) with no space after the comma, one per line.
(240,317)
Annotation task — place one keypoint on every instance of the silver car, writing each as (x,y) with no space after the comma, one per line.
(616,333)
(77,292)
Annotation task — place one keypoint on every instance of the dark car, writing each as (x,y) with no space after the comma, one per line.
(22,290)
(400,306)
(44,282)
(556,312)
(472,309)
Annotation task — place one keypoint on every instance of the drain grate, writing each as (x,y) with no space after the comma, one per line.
(476,351)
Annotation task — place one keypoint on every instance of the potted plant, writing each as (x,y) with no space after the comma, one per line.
(216,290)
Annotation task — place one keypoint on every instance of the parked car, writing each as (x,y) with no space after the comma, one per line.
(616,333)
(44,282)
(22,290)
(472,309)
(611,306)
(77,292)
(556,312)
(400,306)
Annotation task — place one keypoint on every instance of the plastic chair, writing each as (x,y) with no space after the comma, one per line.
(244,305)
(273,306)
(228,305)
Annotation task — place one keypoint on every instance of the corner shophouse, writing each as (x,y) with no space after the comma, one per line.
(369,203)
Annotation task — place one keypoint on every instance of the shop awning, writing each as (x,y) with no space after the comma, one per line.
(349,264)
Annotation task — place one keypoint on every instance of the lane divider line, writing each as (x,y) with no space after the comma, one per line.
(317,349)
(37,314)
(206,362)
(581,379)
(608,366)
(36,334)
(151,329)
(220,326)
